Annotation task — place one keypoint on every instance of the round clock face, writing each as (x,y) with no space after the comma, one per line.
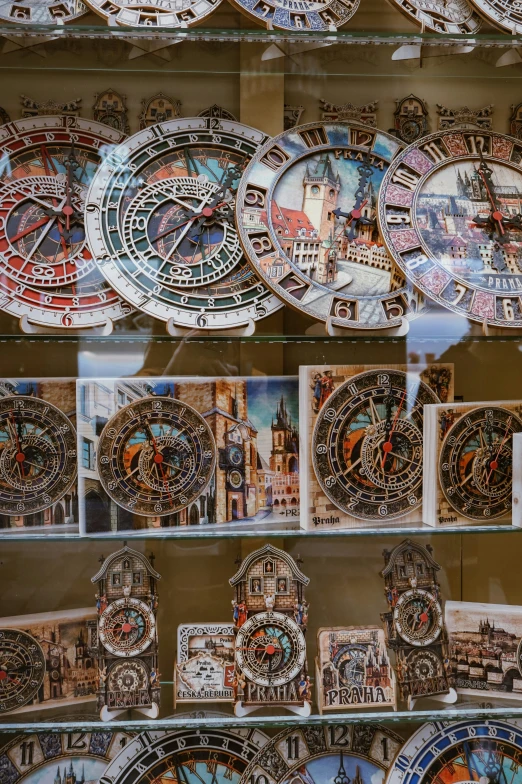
(22,669)
(37,455)
(235,479)
(476,462)
(47,273)
(270,649)
(41,11)
(147,13)
(367,444)
(459,751)
(505,14)
(306,213)
(338,753)
(450,214)
(127,627)
(307,15)
(126,678)
(190,755)
(235,454)
(33,759)
(351,665)
(424,665)
(417,617)
(160,218)
(156,456)
(441,16)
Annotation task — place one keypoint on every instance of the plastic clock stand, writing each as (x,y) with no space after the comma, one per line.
(183,332)
(449,699)
(28,328)
(106,714)
(241,710)
(397,328)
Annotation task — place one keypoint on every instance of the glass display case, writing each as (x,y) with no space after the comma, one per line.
(260,451)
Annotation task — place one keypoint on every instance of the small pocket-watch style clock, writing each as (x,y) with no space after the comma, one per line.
(270,616)
(126,637)
(414,623)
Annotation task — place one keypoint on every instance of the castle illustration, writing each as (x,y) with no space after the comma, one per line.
(69,776)
(485,658)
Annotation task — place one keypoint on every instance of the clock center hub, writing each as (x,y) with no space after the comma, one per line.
(387,446)
(158,458)
(207,212)
(126,627)
(497,215)
(424,617)
(356,214)
(270,649)
(493,465)
(19,457)
(3,675)
(67,210)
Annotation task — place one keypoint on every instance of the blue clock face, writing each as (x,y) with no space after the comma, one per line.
(235,454)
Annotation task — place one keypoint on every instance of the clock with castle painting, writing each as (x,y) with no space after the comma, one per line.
(306,212)
(124,636)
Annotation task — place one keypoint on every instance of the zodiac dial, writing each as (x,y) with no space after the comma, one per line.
(160,219)
(460,751)
(367,444)
(37,454)
(450,213)
(127,627)
(47,273)
(476,462)
(192,755)
(424,665)
(504,14)
(150,13)
(270,649)
(156,456)
(307,15)
(129,678)
(417,617)
(306,214)
(22,669)
(41,11)
(441,16)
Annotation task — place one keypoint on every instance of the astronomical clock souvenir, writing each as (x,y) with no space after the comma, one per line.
(456,751)
(465,118)
(353,670)
(450,213)
(344,754)
(41,11)
(229,450)
(48,276)
(411,119)
(485,649)
(38,458)
(160,221)
(124,638)
(158,108)
(195,755)
(441,16)
(306,15)
(414,623)
(204,669)
(349,112)
(34,108)
(503,14)
(362,444)
(306,213)
(270,616)
(150,13)
(469,462)
(45,661)
(110,109)
(69,758)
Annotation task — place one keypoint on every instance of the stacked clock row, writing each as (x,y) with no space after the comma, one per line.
(209,224)
(462,16)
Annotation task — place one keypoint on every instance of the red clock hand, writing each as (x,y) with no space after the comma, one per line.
(494,463)
(19,457)
(30,228)
(388,446)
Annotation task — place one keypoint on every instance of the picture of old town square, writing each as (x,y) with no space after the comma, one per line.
(453,216)
(255,425)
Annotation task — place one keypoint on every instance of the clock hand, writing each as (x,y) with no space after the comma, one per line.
(485,174)
(388,446)
(30,229)
(494,463)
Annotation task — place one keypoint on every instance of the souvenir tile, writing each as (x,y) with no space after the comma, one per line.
(205,663)
(361,441)
(167,452)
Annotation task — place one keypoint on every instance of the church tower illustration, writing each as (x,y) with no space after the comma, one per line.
(284,458)
(321,191)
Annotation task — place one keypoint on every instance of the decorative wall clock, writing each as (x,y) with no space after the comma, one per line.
(414,624)
(454,751)
(465,118)
(41,11)
(110,109)
(450,214)
(411,118)
(270,614)
(292,116)
(306,213)
(469,461)
(47,273)
(441,16)
(37,455)
(28,759)
(170,247)
(158,108)
(156,456)
(340,753)
(504,14)
(140,13)
(363,430)
(189,755)
(348,112)
(125,638)
(22,669)
(307,15)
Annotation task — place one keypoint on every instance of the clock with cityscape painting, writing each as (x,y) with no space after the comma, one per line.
(456,751)
(22,669)
(306,15)
(48,276)
(306,213)
(160,219)
(504,14)
(68,758)
(442,16)
(344,754)
(450,213)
